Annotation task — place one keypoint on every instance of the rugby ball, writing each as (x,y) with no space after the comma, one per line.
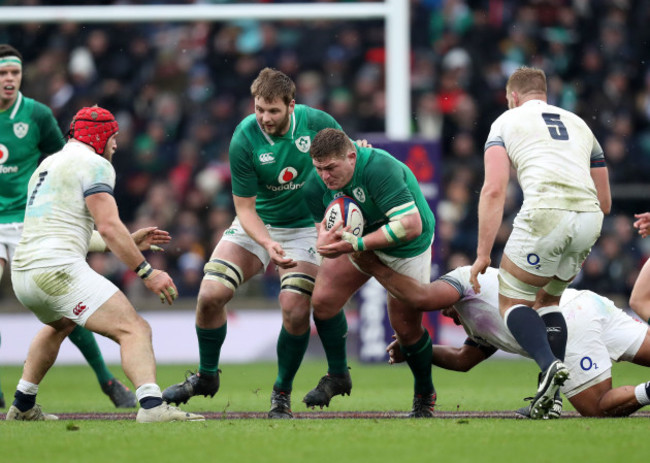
(346,209)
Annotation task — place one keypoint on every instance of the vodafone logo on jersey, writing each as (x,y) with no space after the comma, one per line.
(4,153)
(286,175)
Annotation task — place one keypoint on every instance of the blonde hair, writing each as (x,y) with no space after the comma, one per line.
(527,80)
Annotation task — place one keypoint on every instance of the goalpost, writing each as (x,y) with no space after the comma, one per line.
(395,14)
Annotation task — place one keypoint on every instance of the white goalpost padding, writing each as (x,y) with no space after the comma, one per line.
(395,14)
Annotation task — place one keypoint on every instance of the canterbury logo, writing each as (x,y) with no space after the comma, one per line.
(267,158)
(80,308)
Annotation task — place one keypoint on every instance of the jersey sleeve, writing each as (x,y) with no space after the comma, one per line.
(97,177)
(495,137)
(51,139)
(319,120)
(314,192)
(244,177)
(597,155)
(387,183)
(459,279)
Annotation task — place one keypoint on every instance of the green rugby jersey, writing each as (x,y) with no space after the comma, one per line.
(275,168)
(380,183)
(27,130)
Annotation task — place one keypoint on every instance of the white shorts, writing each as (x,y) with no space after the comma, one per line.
(552,242)
(9,237)
(299,244)
(597,335)
(418,267)
(73,291)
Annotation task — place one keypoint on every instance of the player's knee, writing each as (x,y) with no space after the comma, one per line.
(225,273)
(213,296)
(301,284)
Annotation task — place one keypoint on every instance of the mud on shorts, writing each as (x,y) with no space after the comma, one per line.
(74,291)
(552,242)
(599,341)
(299,244)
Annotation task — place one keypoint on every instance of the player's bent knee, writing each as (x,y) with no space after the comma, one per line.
(297,283)
(225,272)
(512,287)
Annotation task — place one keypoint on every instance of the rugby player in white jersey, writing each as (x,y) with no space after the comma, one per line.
(561,170)
(70,192)
(598,333)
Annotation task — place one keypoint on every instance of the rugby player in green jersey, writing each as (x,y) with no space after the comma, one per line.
(27,130)
(269,162)
(399,228)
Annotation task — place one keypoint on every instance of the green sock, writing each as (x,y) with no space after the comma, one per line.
(86,343)
(333,334)
(291,350)
(210,342)
(418,357)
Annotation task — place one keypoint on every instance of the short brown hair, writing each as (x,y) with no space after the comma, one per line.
(8,50)
(330,143)
(271,84)
(527,80)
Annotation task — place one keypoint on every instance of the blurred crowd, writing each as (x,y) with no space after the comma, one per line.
(179,89)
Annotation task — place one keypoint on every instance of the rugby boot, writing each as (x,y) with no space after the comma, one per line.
(423,405)
(33,414)
(165,413)
(280,404)
(552,379)
(328,386)
(194,384)
(554,413)
(120,395)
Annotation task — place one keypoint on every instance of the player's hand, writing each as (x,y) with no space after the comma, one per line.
(363,143)
(161,284)
(367,261)
(333,235)
(395,354)
(480,265)
(642,224)
(278,256)
(148,238)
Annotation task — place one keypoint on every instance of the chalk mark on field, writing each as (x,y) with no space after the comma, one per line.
(321,415)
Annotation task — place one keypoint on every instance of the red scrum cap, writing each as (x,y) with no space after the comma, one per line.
(93,126)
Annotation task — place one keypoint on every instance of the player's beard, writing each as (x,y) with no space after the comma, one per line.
(280,128)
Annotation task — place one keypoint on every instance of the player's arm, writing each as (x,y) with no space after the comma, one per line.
(104,211)
(450,358)
(600,176)
(426,297)
(490,208)
(146,239)
(405,224)
(255,228)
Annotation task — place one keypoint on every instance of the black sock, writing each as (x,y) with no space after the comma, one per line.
(150,402)
(529,330)
(556,332)
(24,402)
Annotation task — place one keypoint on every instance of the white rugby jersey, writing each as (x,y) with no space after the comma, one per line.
(480,316)
(58,224)
(552,150)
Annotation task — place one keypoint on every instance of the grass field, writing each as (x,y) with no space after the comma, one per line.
(496,385)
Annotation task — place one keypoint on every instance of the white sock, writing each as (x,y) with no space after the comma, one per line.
(641,393)
(148,390)
(27,388)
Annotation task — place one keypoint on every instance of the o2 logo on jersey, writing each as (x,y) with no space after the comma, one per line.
(286,175)
(587,364)
(4,153)
(533,259)
(303,144)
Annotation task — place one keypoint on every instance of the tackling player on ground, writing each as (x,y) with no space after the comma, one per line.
(69,193)
(399,228)
(28,130)
(561,169)
(598,333)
